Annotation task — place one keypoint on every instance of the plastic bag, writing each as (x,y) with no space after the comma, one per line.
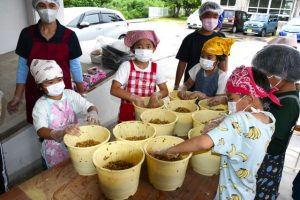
(112,58)
(96,53)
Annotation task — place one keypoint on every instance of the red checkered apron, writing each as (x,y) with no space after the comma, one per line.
(141,84)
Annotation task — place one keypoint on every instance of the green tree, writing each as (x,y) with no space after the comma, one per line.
(133,8)
(187,5)
(190,5)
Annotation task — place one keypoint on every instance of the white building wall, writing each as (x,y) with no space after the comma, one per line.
(13,19)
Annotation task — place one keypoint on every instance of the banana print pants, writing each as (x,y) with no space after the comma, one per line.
(269,177)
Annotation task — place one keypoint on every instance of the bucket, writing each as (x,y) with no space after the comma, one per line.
(118,184)
(185,121)
(204,162)
(82,157)
(162,115)
(134,129)
(173,96)
(139,110)
(221,107)
(165,175)
(201,117)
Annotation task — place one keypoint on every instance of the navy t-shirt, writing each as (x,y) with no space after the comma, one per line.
(25,41)
(191,47)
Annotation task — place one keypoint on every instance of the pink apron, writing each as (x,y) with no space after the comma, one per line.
(61,114)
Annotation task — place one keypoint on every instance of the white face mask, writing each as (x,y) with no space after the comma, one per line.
(232,106)
(209,24)
(143,55)
(206,64)
(56,89)
(276,77)
(47,15)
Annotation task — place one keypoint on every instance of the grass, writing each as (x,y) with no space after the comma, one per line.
(181,19)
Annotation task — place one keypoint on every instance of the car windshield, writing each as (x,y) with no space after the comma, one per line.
(196,12)
(259,18)
(74,22)
(294,22)
(228,14)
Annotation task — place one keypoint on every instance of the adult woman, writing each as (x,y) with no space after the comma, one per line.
(190,49)
(48,40)
(281,64)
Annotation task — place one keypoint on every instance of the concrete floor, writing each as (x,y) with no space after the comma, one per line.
(242,52)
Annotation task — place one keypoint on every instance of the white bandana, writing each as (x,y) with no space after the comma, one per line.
(43,70)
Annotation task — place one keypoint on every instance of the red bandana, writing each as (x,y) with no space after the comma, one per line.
(241,81)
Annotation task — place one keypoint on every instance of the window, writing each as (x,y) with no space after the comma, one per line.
(108,17)
(244,16)
(263,3)
(287,4)
(91,18)
(223,2)
(275,3)
(260,10)
(280,7)
(231,2)
(228,2)
(74,22)
(253,3)
(274,11)
(228,14)
(252,10)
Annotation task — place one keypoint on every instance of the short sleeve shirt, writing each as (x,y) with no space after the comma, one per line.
(242,141)
(41,108)
(286,117)
(25,43)
(221,81)
(191,47)
(122,75)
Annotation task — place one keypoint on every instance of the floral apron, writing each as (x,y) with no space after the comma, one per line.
(60,114)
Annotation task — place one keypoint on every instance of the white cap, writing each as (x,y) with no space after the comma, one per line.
(43,70)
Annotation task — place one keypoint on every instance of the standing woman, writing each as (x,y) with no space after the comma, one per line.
(281,64)
(47,40)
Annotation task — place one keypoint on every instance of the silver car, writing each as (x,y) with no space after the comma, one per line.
(193,21)
(90,22)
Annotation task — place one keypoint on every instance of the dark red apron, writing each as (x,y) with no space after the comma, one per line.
(127,112)
(47,51)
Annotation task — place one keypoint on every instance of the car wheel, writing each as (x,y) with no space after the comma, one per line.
(263,33)
(244,33)
(121,37)
(274,33)
(234,29)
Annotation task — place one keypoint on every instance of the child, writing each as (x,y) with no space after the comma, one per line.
(280,62)
(138,77)
(209,80)
(54,114)
(191,46)
(243,136)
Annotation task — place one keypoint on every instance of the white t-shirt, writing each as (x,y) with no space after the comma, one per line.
(41,108)
(221,82)
(122,75)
